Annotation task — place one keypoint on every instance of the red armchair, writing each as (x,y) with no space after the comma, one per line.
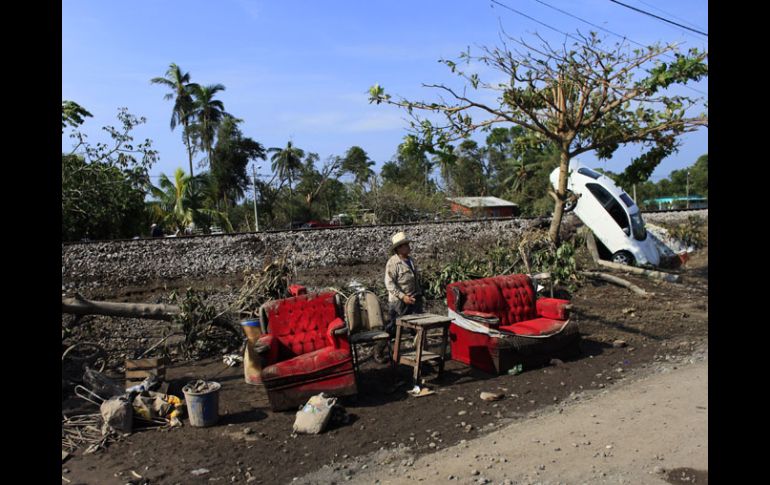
(306,350)
(499,323)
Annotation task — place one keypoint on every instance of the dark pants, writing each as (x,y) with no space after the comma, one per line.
(399,308)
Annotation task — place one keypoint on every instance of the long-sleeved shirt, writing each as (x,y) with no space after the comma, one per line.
(400,279)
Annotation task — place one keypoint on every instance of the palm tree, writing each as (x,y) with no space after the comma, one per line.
(209,113)
(179,202)
(286,162)
(181,87)
(358,163)
(446,161)
(173,202)
(519,171)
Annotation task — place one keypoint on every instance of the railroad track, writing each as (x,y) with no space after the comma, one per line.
(362,226)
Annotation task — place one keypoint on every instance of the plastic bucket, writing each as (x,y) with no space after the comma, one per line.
(252,329)
(203,407)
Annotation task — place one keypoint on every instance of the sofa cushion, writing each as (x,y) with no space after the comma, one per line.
(320,361)
(536,326)
(300,323)
(553,308)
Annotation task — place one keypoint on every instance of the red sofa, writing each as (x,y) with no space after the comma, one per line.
(508,324)
(306,350)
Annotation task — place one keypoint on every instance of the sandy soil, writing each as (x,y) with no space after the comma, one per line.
(648,431)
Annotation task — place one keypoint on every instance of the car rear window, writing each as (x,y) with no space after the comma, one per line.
(589,173)
(626,199)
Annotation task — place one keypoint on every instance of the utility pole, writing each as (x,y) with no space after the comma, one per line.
(688,189)
(254,181)
(637,203)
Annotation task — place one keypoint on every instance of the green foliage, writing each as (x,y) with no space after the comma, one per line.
(691,232)
(99,201)
(410,167)
(675,185)
(466,265)
(642,167)
(560,262)
(72,114)
(183,111)
(208,114)
(104,185)
(286,162)
(466,174)
(393,203)
(503,259)
(357,162)
(525,181)
(231,156)
(196,318)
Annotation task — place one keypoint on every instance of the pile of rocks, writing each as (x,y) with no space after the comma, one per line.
(197,258)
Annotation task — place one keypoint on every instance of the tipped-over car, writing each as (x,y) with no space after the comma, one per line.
(611,214)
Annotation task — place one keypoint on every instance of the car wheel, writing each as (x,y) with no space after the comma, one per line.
(623,257)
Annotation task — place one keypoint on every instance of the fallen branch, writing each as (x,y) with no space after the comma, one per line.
(617,281)
(594,251)
(80,306)
(671,278)
(151,311)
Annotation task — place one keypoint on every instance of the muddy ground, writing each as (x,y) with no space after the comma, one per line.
(252,444)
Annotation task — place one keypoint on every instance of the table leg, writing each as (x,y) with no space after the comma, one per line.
(442,352)
(418,355)
(397,347)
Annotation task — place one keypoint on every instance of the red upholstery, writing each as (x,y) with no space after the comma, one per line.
(552,308)
(304,355)
(317,361)
(512,299)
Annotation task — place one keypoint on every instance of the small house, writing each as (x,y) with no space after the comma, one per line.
(483,207)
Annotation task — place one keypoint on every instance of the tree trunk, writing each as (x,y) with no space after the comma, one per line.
(617,281)
(189,147)
(561,195)
(81,306)
(650,273)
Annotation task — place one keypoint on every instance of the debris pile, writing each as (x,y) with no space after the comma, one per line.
(121,411)
(260,286)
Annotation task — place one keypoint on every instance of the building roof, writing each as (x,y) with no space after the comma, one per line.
(472,202)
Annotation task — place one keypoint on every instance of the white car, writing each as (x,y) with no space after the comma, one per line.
(611,214)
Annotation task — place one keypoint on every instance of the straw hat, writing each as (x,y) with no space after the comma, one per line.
(398,239)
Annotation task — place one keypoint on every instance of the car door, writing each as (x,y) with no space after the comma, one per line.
(605,216)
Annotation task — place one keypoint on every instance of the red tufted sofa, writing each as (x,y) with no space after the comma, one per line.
(306,350)
(521,328)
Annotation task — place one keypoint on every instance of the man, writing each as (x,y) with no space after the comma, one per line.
(401,281)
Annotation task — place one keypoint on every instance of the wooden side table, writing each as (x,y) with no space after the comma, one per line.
(421,323)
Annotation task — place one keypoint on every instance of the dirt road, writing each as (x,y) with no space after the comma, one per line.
(650,431)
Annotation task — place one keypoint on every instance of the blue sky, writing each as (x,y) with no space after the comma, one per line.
(301,70)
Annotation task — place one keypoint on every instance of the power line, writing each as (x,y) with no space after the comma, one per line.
(659,17)
(669,14)
(624,37)
(572,36)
